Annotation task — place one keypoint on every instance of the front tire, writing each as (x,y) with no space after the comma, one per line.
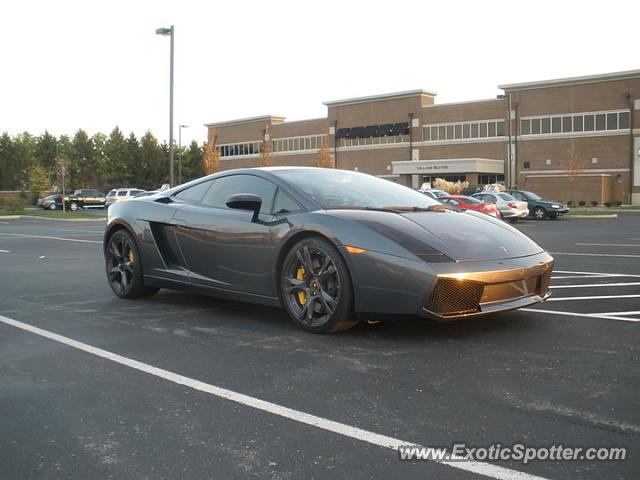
(52,206)
(315,287)
(124,267)
(73,206)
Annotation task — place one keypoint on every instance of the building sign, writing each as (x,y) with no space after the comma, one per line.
(387,129)
(449,166)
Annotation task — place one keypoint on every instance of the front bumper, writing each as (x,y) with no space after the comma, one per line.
(479,292)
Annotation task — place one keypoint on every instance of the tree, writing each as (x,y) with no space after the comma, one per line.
(211,158)
(46,145)
(116,162)
(324,159)
(82,172)
(574,166)
(38,180)
(192,162)
(266,150)
(132,161)
(151,172)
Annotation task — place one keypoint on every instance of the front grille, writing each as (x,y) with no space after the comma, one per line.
(543,283)
(451,296)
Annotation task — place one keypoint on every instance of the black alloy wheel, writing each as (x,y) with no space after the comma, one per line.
(123,267)
(315,287)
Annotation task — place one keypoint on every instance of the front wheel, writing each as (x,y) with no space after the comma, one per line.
(73,206)
(315,287)
(124,267)
(52,206)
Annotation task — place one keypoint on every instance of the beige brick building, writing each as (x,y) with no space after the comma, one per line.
(567,139)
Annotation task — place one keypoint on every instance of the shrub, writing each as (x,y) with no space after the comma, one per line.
(618,203)
(607,204)
(594,203)
(13,204)
(452,188)
(571,204)
(582,203)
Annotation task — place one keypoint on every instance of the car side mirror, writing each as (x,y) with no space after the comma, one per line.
(245,201)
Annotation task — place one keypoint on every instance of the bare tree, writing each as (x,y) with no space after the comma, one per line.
(574,167)
(266,150)
(324,159)
(211,157)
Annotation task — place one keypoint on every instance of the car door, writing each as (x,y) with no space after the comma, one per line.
(222,247)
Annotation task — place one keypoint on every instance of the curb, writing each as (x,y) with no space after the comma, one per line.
(613,215)
(18,217)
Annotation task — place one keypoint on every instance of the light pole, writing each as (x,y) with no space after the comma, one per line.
(62,165)
(180,127)
(170,31)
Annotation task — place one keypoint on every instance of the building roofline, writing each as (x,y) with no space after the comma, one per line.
(316,119)
(378,98)
(572,80)
(464,102)
(240,121)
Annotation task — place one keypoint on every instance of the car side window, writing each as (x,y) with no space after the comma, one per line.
(285,204)
(453,202)
(224,187)
(518,195)
(122,193)
(195,193)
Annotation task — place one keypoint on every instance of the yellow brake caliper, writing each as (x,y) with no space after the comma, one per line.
(302,296)
(130,256)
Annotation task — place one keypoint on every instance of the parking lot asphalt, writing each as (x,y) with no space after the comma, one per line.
(157,400)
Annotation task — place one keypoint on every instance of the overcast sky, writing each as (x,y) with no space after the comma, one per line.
(96,64)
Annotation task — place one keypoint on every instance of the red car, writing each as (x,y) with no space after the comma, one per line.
(470,203)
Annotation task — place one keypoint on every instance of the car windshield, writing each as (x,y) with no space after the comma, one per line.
(471,200)
(346,189)
(532,196)
(506,196)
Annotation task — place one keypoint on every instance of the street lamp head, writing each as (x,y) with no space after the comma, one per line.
(163,31)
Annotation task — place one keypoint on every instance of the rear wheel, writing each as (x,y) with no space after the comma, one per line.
(539,213)
(124,268)
(73,206)
(52,206)
(315,287)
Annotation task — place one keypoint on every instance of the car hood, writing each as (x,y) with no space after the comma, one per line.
(461,236)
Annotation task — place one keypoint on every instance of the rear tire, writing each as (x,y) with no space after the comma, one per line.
(73,206)
(52,206)
(315,287)
(539,213)
(124,267)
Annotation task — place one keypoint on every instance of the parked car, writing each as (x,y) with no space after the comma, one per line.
(470,203)
(85,198)
(329,246)
(434,193)
(539,208)
(147,194)
(119,194)
(510,208)
(51,202)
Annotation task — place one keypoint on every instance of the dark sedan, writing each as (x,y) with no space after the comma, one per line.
(539,208)
(329,246)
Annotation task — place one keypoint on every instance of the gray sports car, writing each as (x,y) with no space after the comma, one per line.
(329,246)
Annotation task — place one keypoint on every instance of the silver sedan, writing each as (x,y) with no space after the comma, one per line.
(509,208)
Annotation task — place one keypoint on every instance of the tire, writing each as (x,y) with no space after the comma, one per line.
(73,206)
(539,213)
(52,206)
(123,266)
(320,302)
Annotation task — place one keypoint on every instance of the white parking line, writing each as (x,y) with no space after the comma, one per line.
(5,251)
(594,254)
(19,235)
(634,312)
(576,314)
(595,297)
(597,273)
(629,284)
(345,430)
(609,244)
